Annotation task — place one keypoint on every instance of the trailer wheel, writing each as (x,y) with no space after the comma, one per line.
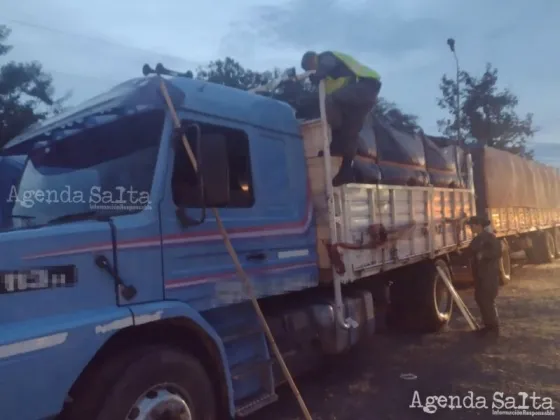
(557,241)
(505,263)
(155,382)
(550,247)
(531,254)
(543,250)
(421,301)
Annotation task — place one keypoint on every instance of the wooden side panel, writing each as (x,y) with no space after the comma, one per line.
(357,206)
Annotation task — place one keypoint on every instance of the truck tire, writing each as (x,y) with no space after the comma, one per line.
(550,246)
(531,254)
(421,302)
(557,241)
(505,263)
(138,383)
(543,250)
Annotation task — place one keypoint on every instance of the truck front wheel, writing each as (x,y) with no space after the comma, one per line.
(152,383)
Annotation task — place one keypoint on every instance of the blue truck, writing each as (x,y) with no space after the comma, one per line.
(118,298)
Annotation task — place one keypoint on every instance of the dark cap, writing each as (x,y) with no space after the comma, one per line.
(478,220)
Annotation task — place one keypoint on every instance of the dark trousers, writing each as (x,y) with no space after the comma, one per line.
(485,294)
(346,110)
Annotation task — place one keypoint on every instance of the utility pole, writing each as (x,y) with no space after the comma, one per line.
(451,43)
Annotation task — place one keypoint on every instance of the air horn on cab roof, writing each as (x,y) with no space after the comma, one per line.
(161,70)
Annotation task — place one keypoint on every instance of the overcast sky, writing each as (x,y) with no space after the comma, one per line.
(90,46)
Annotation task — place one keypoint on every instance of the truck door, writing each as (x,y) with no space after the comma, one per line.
(290,239)
(197,268)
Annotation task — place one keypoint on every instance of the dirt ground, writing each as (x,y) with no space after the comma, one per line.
(368,384)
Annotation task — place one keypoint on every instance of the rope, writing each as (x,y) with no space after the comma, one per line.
(238,268)
(379,236)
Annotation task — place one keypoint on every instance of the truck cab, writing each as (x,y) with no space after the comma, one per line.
(110,229)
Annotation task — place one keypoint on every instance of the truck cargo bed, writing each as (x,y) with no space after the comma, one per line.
(420,222)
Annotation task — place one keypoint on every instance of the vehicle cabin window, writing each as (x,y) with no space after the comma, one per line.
(186,192)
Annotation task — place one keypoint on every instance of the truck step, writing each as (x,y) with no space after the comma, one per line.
(234,337)
(254,404)
(243,369)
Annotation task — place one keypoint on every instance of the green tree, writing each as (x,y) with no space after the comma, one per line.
(26,94)
(301,95)
(488,115)
(230,73)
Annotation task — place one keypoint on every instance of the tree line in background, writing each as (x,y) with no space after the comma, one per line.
(26,93)
(487,117)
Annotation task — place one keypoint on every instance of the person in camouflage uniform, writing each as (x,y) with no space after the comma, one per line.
(486,251)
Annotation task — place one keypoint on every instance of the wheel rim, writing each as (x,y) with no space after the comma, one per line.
(506,261)
(161,402)
(442,298)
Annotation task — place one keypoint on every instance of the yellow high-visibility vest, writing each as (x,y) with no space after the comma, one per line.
(361,72)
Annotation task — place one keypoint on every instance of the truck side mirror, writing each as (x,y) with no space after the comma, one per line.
(214,170)
(195,193)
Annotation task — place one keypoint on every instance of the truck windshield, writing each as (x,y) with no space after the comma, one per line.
(102,170)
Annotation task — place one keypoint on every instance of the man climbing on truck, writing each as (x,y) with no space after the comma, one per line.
(486,251)
(351,90)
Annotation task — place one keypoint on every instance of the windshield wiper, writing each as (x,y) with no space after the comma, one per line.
(85,215)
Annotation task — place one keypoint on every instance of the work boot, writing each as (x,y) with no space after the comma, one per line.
(494,331)
(488,331)
(345,174)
